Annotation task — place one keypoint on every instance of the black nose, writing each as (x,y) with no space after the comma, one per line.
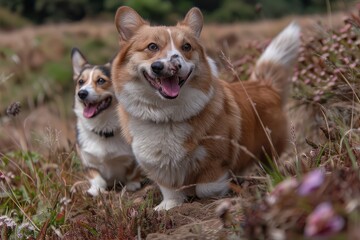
(157,67)
(83,94)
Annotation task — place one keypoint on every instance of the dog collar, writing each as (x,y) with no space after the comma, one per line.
(104,134)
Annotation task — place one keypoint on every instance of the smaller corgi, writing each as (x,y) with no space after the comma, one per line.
(107,158)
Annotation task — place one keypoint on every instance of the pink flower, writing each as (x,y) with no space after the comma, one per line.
(281,189)
(7,222)
(2,176)
(311,181)
(323,221)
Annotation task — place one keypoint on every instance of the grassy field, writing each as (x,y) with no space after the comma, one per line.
(313,191)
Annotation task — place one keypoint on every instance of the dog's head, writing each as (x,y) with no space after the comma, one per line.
(94,90)
(161,58)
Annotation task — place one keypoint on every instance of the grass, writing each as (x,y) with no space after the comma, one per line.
(329,87)
(42,70)
(41,188)
(32,190)
(10,21)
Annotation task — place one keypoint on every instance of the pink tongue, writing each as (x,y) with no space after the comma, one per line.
(90,110)
(170,86)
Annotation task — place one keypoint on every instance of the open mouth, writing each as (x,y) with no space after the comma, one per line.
(93,109)
(169,87)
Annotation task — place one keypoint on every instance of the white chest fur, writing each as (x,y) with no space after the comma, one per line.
(102,148)
(159,143)
(159,150)
(100,152)
(103,154)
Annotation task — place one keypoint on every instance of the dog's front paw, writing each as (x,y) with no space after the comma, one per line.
(94,191)
(168,204)
(132,186)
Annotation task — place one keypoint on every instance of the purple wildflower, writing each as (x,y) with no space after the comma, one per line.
(8,222)
(281,189)
(25,230)
(311,181)
(323,221)
(13,109)
(2,176)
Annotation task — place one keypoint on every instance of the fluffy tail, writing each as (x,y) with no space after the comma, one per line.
(275,65)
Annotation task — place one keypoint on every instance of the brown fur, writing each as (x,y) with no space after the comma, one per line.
(229,122)
(133,171)
(229,126)
(85,77)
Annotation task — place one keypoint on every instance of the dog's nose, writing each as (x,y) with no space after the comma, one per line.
(157,67)
(83,94)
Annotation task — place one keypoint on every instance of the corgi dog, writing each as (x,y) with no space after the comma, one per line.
(189,130)
(106,156)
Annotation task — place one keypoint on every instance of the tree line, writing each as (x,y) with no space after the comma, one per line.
(167,11)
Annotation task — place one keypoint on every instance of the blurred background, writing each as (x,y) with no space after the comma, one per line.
(19,13)
(36,38)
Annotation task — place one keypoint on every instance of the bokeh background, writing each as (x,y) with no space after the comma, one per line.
(18,13)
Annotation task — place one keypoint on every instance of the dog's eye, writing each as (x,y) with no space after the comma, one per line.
(153,47)
(100,81)
(81,82)
(186,47)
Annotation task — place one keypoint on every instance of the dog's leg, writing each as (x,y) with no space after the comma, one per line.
(98,184)
(213,189)
(132,186)
(133,176)
(171,198)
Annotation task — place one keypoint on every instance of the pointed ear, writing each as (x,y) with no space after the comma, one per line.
(194,20)
(78,61)
(127,22)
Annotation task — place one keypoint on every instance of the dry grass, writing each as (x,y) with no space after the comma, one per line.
(39,166)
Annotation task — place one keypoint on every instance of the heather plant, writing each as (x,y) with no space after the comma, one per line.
(318,205)
(327,82)
(327,77)
(322,203)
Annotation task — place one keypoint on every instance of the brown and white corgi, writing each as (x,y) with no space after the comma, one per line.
(186,126)
(106,156)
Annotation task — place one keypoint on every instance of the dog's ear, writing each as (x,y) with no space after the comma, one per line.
(78,61)
(194,20)
(127,22)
